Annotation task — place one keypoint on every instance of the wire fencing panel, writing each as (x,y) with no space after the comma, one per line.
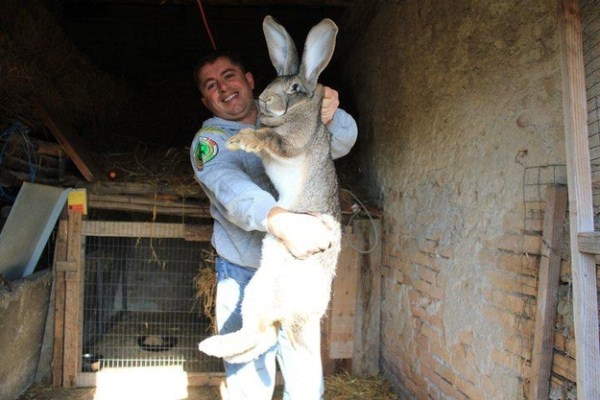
(139,304)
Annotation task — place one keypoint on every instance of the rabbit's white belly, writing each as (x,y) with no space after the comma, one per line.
(299,286)
(288,175)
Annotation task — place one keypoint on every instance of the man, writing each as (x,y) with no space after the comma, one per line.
(243,206)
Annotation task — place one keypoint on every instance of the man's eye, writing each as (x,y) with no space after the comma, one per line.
(210,86)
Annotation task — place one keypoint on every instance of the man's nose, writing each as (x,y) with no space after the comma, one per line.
(222,86)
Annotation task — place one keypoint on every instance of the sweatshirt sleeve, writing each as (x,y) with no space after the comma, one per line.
(221,173)
(343,133)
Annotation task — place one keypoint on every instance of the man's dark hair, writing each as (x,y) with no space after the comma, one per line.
(234,57)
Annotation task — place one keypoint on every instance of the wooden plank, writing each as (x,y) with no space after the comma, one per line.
(343,299)
(547,295)
(63,266)
(146,229)
(564,366)
(72,331)
(60,255)
(365,359)
(137,188)
(327,362)
(197,233)
(73,145)
(199,212)
(585,302)
(211,378)
(589,242)
(155,199)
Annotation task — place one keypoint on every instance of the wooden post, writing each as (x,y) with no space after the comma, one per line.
(60,256)
(73,271)
(547,297)
(585,302)
(365,357)
(351,328)
(343,298)
(336,325)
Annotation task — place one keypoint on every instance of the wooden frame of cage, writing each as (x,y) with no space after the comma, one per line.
(350,332)
(69,267)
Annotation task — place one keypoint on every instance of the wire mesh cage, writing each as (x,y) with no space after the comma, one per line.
(140,308)
(535,181)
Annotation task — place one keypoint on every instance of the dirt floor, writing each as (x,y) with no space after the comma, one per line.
(49,393)
(338,387)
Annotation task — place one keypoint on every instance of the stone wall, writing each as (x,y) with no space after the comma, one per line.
(457,103)
(23,309)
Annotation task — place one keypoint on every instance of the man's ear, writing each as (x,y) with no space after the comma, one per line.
(250,79)
(204,101)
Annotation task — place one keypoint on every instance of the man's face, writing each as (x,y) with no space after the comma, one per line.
(227,91)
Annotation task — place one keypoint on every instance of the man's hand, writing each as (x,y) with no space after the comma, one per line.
(302,234)
(330,104)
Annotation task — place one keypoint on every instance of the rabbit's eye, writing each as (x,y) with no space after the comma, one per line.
(294,88)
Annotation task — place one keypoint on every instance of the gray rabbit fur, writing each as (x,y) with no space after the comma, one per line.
(287,292)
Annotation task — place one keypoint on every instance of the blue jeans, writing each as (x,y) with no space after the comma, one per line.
(301,369)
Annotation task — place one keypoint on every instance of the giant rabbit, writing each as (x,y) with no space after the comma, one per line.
(288,292)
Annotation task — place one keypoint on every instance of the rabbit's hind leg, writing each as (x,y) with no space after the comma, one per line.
(257,335)
(262,341)
(305,334)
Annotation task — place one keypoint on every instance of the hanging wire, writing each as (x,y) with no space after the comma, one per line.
(205,21)
(371,219)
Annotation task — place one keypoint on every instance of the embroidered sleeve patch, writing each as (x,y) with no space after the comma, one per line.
(205,150)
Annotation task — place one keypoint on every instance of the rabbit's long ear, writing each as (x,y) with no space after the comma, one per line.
(318,50)
(282,49)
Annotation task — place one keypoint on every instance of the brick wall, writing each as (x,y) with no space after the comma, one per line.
(458,102)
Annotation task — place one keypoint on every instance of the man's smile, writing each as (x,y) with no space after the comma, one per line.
(230,97)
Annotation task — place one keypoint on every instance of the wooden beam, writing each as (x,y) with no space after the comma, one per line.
(581,216)
(589,242)
(365,358)
(138,188)
(547,297)
(73,299)
(343,298)
(73,145)
(196,233)
(149,208)
(155,204)
(60,255)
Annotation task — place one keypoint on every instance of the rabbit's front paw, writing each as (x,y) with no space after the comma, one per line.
(245,140)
